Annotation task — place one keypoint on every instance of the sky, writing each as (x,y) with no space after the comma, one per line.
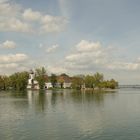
(71,36)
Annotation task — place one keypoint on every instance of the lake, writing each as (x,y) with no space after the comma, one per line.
(70,115)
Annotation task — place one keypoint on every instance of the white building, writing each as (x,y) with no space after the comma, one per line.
(67,85)
(48,85)
(32,83)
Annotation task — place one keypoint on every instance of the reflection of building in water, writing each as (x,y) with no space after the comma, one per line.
(30,97)
(38,100)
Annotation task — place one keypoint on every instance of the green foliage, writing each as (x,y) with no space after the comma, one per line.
(4,82)
(98,79)
(111,84)
(61,81)
(18,80)
(40,77)
(77,82)
(89,81)
(53,80)
(93,81)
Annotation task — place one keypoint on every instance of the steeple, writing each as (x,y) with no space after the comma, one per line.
(31,74)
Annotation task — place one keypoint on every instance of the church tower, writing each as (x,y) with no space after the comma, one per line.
(32,83)
(31,80)
(31,77)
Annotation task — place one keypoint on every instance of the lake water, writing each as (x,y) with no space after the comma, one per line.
(70,115)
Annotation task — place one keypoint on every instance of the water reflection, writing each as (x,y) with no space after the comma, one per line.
(41,100)
(57,114)
(37,100)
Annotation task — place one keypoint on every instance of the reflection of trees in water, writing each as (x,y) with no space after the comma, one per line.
(17,94)
(90,96)
(53,98)
(41,100)
(18,99)
(56,97)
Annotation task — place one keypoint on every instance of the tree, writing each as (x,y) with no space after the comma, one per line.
(98,79)
(89,81)
(6,80)
(61,81)
(19,80)
(113,84)
(41,77)
(53,80)
(77,82)
(2,83)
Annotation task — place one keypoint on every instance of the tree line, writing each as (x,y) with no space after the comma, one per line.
(95,81)
(19,80)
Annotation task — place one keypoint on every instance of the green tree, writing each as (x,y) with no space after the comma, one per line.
(41,77)
(6,82)
(77,82)
(98,79)
(89,81)
(2,83)
(113,84)
(61,81)
(19,80)
(53,80)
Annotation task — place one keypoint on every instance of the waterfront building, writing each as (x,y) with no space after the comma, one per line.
(32,83)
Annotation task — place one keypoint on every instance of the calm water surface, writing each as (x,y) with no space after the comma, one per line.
(70,115)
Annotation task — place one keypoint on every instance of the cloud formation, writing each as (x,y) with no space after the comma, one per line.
(7,9)
(31,15)
(16,19)
(13,63)
(88,56)
(52,23)
(8,44)
(12,58)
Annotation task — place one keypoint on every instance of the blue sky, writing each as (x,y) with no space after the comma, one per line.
(71,36)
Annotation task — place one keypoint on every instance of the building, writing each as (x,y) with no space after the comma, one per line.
(48,85)
(64,81)
(32,83)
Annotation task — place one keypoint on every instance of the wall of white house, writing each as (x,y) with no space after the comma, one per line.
(66,85)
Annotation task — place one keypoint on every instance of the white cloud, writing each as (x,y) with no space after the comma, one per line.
(124,66)
(10,20)
(12,58)
(89,56)
(8,9)
(14,18)
(86,46)
(31,15)
(52,48)
(8,44)
(11,63)
(13,24)
(52,24)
